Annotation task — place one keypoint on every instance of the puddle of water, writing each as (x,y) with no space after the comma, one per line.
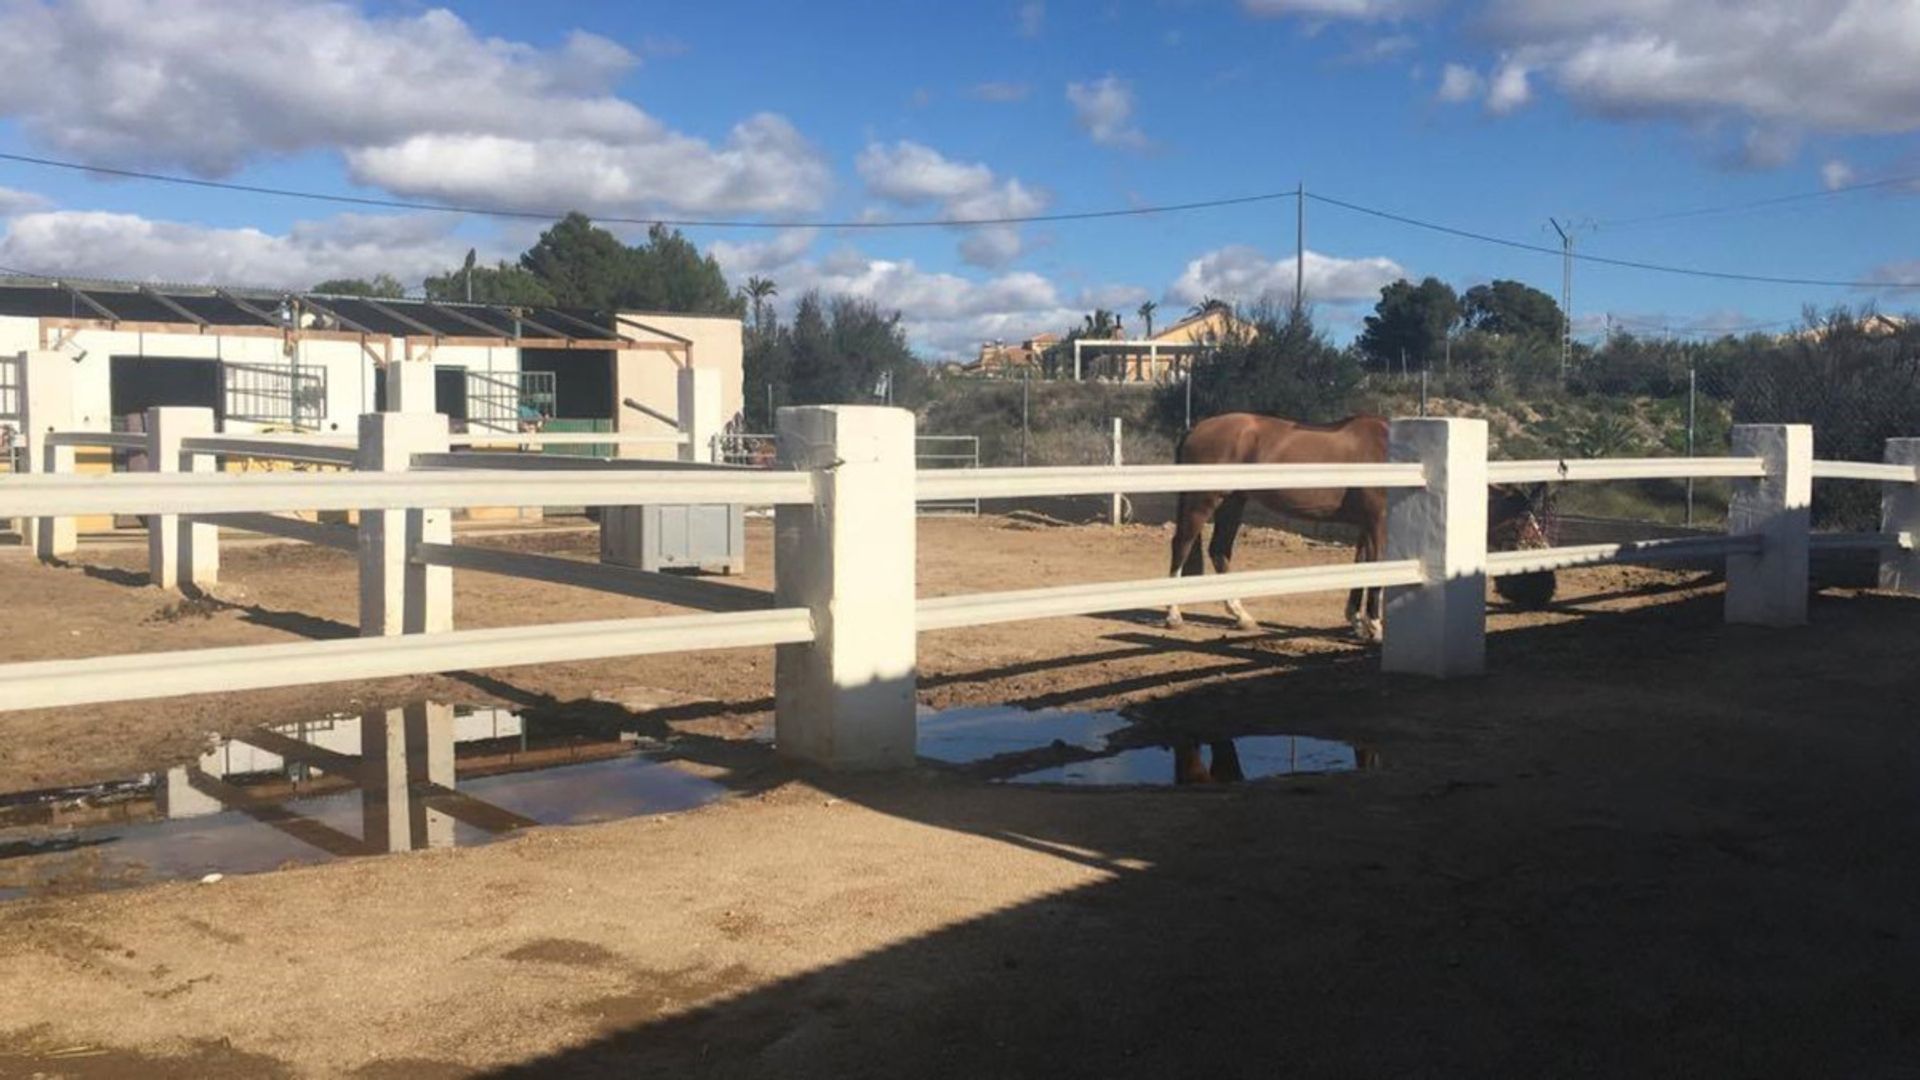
(982,734)
(425,776)
(960,736)
(1222,761)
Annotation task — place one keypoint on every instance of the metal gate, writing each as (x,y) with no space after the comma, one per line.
(502,401)
(292,396)
(948,452)
(930,452)
(13,447)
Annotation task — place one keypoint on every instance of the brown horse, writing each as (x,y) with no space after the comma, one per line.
(1249,439)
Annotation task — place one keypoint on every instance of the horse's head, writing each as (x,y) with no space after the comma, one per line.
(1517,516)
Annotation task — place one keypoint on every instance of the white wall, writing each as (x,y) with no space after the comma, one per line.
(351,370)
(652,377)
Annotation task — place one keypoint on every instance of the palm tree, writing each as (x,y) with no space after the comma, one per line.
(1145,311)
(757,290)
(1101,325)
(1206,304)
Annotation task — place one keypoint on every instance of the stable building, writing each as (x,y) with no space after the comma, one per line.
(285,361)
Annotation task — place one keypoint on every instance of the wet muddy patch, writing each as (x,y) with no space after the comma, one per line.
(425,776)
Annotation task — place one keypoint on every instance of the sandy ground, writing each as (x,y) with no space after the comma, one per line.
(1644,844)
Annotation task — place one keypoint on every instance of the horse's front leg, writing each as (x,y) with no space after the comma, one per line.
(1226,525)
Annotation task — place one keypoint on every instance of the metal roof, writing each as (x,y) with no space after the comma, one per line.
(210,310)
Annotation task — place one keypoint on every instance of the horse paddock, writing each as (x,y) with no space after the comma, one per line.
(1645,842)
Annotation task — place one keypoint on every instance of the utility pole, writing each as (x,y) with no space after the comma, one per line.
(1566,297)
(1300,249)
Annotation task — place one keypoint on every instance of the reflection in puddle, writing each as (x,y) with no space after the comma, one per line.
(958,736)
(1089,750)
(1223,762)
(420,777)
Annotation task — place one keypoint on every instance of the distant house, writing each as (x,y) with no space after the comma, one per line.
(1207,327)
(998,359)
(1163,356)
(1872,324)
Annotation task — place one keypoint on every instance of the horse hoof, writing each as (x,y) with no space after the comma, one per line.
(1248,624)
(1174,622)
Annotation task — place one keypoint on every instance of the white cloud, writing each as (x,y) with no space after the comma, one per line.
(1383,48)
(764,166)
(1459,83)
(1124,299)
(945,315)
(759,257)
(1765,148)
(92,243)
(14,202)
(1104,110)
(1508,89)
(1333,9)
(1898,276)
(420,104)
(999,92)
(1031,18)
(910,174)
(1836,174)
(1241,274)
(1841,66)
(949,315)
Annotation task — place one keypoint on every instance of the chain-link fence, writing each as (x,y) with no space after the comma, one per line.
(1854,399)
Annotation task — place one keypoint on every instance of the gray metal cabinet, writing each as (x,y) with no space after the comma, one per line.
(681,536)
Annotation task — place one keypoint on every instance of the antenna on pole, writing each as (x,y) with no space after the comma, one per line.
(1566,292)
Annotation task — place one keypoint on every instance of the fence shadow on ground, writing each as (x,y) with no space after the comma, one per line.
(1644,844)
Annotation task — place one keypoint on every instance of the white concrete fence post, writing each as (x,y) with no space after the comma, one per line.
(846,700)
(180,552)
(1900,517)
(410,386)
(1439,628)
(1119,500)
(699,413)
(46,406)
(398,595)
(1770,588)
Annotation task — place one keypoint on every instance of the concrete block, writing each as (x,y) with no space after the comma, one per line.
(1439,628)
(180,553)
(1900,516)
(1770,588)
(847,699)
(47,406)
(398,596)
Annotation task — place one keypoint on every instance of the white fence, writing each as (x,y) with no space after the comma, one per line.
(844,615)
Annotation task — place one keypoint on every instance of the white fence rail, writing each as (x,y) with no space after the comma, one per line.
(1577,469)
(66,494)
(1004,483)
(843,613)
(143,676)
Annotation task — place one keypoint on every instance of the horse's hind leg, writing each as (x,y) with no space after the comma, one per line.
(1194,511)
(1226,525)
(1365,616)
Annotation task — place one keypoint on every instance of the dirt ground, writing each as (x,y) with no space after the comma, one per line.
(1645,844)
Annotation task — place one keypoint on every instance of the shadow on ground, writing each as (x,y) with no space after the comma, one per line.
(1647,844)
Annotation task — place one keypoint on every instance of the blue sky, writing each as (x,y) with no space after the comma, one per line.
(1488,115)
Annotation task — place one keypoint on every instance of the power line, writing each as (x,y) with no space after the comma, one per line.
(1631,264)
(1014,219)
(1758,204)
(553,215)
